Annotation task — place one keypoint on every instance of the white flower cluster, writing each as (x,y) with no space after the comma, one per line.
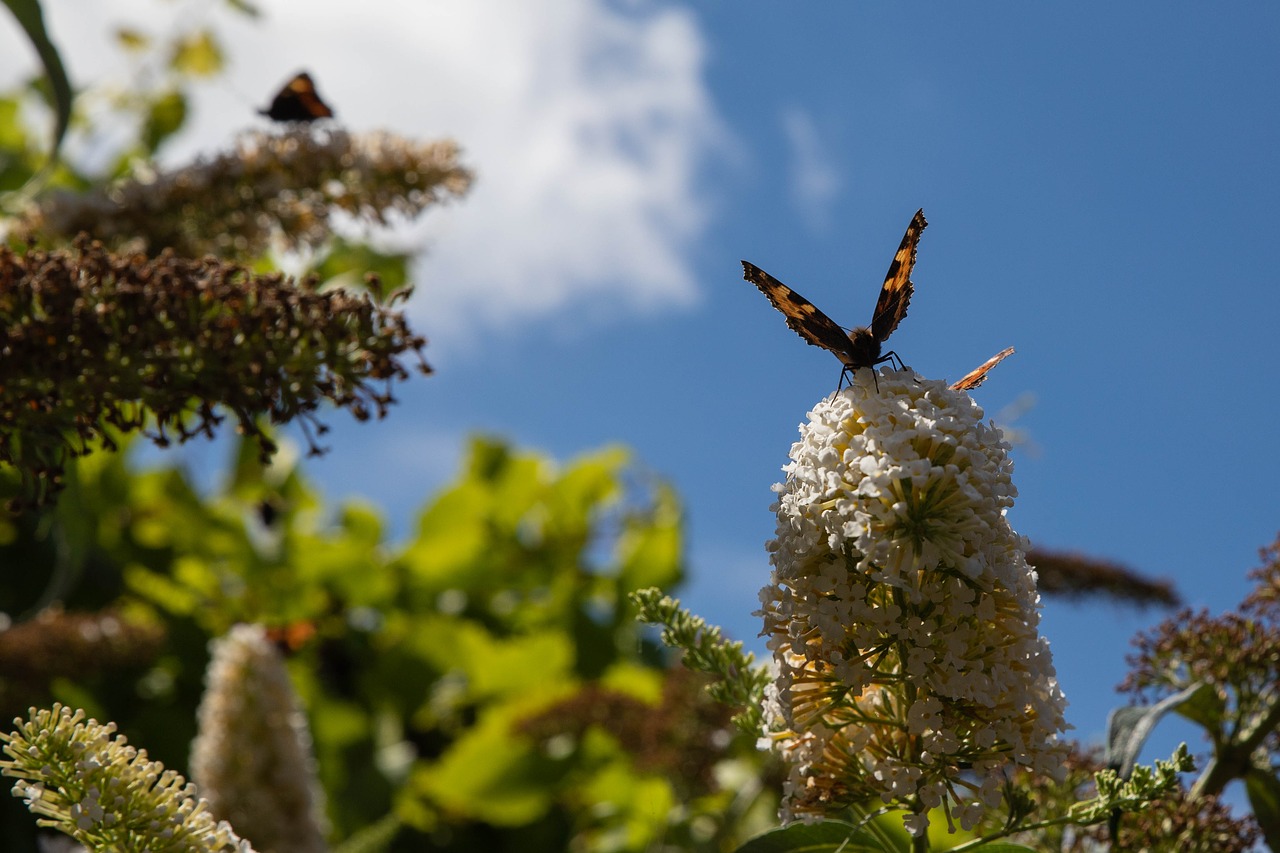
(252,757)
(82,779)
(901,613)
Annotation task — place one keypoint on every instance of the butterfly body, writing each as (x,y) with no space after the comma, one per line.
(861,346)
(298,101)
(863,350)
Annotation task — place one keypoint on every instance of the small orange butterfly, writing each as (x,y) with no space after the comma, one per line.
(297,101)
(861,346)
(289,638)
(977,376)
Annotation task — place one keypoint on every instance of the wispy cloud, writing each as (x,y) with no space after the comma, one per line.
(814,179)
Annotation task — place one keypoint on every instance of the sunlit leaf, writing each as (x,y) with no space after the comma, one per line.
(491,773)
(197,54)
(163,119)
(131,39)
(651,549)
(348,264)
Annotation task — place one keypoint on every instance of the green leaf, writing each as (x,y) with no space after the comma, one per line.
(348,265)
(1205,707)
(1263,789)
(828,835)
(490,774)
(651,547)
(1128,728)
(164,118)
(31,19)
(198,55)
(131,39)
(375,838)
(245,8)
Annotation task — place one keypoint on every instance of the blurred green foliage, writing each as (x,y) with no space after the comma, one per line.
(454,681)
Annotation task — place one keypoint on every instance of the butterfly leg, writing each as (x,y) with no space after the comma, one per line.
(846,377)
(893,359)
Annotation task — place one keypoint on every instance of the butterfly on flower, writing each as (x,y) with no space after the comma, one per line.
(297,101)
(978,375)
(861,346)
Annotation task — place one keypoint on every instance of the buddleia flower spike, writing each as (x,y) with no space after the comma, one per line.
(901,613)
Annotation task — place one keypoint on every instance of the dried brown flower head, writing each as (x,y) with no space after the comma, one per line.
(1074,576)
(92,341)
(71,645)
(282,188)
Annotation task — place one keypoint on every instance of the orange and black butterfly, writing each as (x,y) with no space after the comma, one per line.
(297,101)
(290,637)
(860,347)
(977,376)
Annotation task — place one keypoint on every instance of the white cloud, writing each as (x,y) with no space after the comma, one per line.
(815,179)
(586,120)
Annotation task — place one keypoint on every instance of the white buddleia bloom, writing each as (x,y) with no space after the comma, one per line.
(252,756)
(901,612)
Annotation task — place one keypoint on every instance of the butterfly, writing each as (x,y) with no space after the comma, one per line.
(289,638)
(297,101)
(861,347)
(978,375)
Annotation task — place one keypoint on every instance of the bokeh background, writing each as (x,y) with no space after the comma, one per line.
(1100,181)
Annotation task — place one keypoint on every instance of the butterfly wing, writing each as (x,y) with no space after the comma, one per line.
(976,377)
(802,315)
(298,101)
(891,307)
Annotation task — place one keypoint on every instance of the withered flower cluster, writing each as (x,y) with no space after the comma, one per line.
(1237,653)
(69,645)
(93,341)
(272,190)
(1075,576)
(1233,661)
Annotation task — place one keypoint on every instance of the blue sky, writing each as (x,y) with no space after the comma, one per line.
(1100,181)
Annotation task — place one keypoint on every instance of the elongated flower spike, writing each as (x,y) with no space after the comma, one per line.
(901,613)
(82,779)
(252,757)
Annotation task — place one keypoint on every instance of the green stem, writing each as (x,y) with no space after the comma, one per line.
(1004,833)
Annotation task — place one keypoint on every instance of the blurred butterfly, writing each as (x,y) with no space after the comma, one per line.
(289,638)
(297,101)
(861,347)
